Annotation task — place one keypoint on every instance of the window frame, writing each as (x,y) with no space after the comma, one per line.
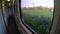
(22,21)
(55,19)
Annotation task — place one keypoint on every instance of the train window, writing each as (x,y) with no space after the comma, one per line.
(38,14)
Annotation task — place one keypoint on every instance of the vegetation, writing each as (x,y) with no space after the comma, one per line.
(39,20)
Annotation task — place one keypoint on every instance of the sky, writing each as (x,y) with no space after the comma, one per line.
(31,3)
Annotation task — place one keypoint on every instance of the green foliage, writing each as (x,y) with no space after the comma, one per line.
(39,20)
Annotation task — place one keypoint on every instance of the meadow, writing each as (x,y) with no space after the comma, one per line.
(39,19)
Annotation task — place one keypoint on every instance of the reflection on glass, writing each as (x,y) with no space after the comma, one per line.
(38,14)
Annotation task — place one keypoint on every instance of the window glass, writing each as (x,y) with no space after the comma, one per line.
(38,14)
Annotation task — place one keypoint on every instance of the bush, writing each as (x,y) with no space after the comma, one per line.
(41,24)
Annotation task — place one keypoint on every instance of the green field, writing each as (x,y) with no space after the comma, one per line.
(39,20)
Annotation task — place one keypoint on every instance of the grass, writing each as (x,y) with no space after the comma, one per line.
(38,19)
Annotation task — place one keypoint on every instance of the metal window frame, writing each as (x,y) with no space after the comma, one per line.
(22,21)
(55,17)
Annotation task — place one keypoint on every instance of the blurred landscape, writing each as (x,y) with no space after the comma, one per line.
(38,18)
